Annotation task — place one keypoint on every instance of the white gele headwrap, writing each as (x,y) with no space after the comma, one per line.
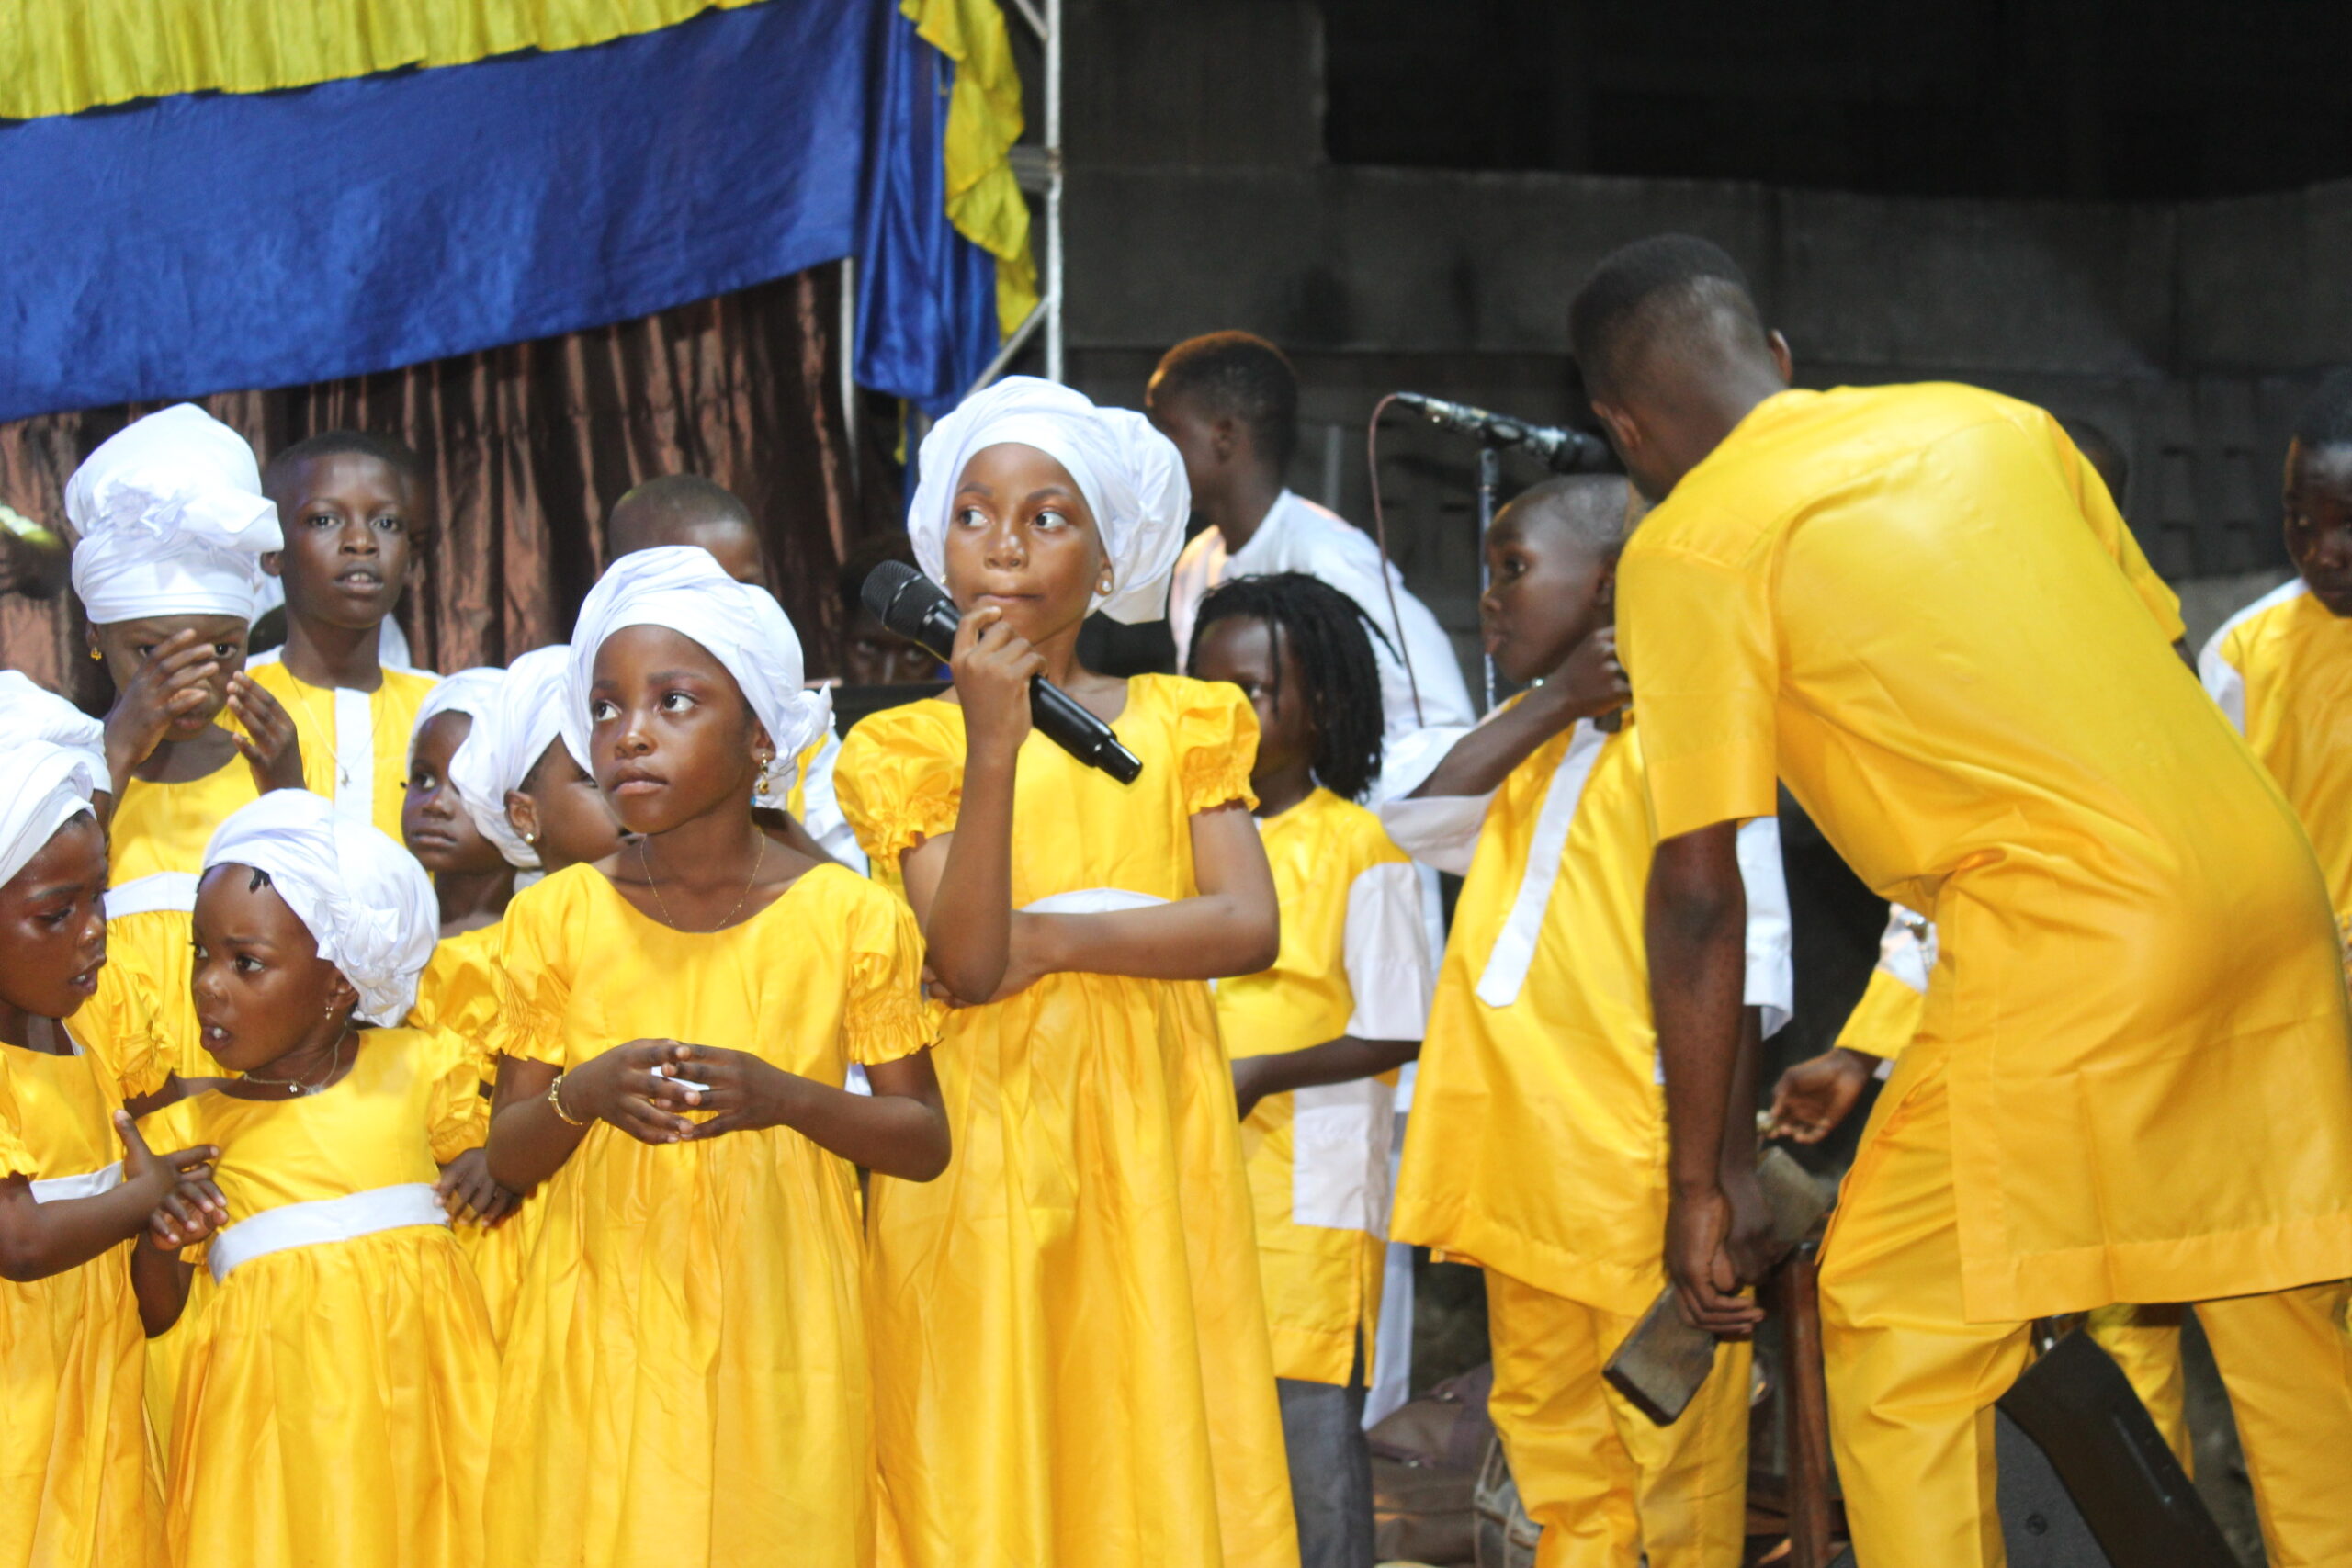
(681,587)
(43,787)
(1131,477)
(364,900)
(171,521)
(468,692)
(32,712)
(511,731)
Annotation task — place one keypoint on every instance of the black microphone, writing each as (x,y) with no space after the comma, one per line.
(1562,451)
(912,606)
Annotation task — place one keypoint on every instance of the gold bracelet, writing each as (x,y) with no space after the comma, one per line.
(555,1098)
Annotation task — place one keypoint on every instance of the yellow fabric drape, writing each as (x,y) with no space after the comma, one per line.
(62,56)
(984,201)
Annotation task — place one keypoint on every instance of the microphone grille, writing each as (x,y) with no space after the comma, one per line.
(884,584)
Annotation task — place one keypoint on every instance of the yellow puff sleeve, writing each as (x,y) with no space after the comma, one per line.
(121,1026)
(899,781)
(1216,739)
(14,1158)
(884,1016)
(534,985)
(457,1115)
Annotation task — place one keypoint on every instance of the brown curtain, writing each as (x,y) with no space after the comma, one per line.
(529,445)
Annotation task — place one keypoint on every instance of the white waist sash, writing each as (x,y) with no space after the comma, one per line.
(89,1184)
(1091,901)
(327,1219)
(148,894)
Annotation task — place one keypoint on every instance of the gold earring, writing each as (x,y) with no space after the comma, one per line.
(97,655)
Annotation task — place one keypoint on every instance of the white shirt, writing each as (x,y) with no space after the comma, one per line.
(1298,536)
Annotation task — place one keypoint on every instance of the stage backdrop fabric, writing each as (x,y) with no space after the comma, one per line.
(204,242)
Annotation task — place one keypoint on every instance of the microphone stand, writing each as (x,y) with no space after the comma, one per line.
(1491,484)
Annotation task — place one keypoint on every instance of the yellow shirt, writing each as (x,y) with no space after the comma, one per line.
(1537,1142)
(689,1330)
(382,1333)
(155,849)
(2282,670)
(1354,960)
(1905,602)
(75,1488)
(355,744)
(1072,1362)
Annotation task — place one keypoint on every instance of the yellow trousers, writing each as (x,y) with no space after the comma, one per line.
(1912,1382)
(2146,1342)
(1607,1484)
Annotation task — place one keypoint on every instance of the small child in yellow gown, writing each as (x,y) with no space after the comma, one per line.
(75,1488)
(685,1379)
(521,791)
(1072,1359)
(335,1403)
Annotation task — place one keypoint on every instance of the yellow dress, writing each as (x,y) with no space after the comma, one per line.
(2282,669)
(1886,1018)
(155,849)
(75,1487)
(1071,1364)
(2138,974)
(335,1401)
(355,744)
(685,1378)
(459,995)
(1354,960)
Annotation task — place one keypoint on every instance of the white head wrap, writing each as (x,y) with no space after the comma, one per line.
(171,521)
(468,692)
(1131,476)
(681,587)
(43,787)
(31,712)
(363,898)
(511,731)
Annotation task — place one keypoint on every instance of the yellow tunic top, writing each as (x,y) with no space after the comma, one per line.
(459,995)
(155,849)
(1071,1364)
(1541,1036)
(1905,602)
(75,1488)
(355,744)
(1354,960)
(685,1378)
(335,1401)
(2282,670)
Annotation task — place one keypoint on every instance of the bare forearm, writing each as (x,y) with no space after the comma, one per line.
(969,948)
(529,1142)
(1739,1104)
(1696,930)
(1208,937)
(38,1240)
(888,1134)
(159,1281)
(1481,760)
(1344,1060)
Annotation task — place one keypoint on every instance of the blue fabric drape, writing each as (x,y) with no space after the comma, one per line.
(212,242)
(926,296)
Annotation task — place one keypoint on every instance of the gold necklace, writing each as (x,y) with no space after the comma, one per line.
(295,1088)
(663,904)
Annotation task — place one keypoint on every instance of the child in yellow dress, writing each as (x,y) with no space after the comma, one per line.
(1071,1363)
(171,524)
(683,1380)
(1315,1040)
(335,1403)
(355,510)
(75,1488)
(471,880)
